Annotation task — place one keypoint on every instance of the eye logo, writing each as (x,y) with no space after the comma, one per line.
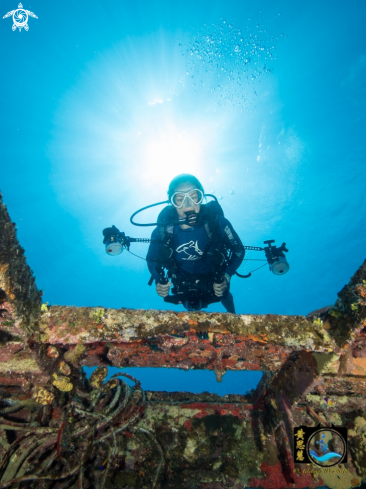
(20,18)
(323,446)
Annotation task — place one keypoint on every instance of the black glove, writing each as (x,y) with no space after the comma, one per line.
(108,232)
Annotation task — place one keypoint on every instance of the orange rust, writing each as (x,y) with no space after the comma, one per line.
(255,338)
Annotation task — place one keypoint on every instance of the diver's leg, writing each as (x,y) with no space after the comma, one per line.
(228,301)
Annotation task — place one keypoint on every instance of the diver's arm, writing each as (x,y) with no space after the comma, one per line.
(152,255)
(233,240)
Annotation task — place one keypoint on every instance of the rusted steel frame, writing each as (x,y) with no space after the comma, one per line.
(70,325)
(181,397)
(196,353)
(345,385)
(285,406)
(223,352)
(22,379)
(16,278)
(353,294)
(347,318)
(209,341)
(277,394)
(311,411)
(8,319)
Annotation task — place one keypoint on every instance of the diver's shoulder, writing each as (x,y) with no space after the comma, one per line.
(156,232)
(223,221)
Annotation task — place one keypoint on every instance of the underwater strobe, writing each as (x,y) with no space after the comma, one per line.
(113,240)
(276,258)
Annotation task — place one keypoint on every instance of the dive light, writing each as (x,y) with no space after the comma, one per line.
(113,246)
(113,240)
(276,258)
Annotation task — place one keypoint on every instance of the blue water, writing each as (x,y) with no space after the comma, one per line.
(173,380)
(103,103)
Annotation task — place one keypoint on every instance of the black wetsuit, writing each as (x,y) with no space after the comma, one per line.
(189,245)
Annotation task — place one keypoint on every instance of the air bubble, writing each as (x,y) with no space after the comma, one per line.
(231,192)
(225,52)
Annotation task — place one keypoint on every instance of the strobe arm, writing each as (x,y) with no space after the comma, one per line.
(115,241)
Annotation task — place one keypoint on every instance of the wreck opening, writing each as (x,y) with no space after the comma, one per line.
(218,382)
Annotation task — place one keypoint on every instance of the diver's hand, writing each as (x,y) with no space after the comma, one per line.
(163,289)
(219,289)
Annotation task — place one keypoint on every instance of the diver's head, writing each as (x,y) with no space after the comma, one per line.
(186,194)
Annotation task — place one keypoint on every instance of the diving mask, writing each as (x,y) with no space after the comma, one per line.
(182,200)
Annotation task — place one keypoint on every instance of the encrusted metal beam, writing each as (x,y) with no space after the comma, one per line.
(17,283)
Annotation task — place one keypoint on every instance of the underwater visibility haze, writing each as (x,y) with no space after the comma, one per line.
(103,103)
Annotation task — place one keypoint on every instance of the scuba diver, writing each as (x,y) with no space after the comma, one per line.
(195,250)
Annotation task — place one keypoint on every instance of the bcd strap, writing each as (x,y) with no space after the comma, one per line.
(209,214)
